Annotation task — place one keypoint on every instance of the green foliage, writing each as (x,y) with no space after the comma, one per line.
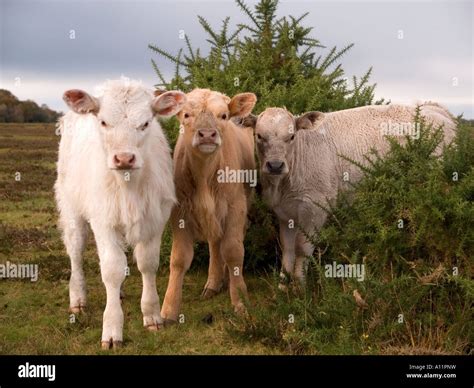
(13,110)
(436,317)
(170,127)
(409,271)
(276,58)
(459,157)
(261,244)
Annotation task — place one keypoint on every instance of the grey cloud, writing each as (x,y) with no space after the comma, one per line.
(112,38)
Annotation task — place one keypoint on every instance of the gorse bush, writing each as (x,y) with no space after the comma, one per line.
(277,59)
(418,287)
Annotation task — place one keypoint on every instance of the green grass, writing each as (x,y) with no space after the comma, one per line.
(34,317)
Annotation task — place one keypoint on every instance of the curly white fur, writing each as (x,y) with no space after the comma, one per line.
(121,206)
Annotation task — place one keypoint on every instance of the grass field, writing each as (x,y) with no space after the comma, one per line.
(34,317)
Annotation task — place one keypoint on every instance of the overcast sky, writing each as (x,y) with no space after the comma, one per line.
(39,60)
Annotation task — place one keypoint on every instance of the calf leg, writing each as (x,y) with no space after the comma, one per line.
(312,220)
(113,263)
(148,260)
(288,242)
(75,238)
(181,257)
(215,278)
(232,253)
(304,248)
(232,250)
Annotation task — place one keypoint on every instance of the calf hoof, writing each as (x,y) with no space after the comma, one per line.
(154,327)
(110,344)
(283,287)
(208,293)
(241,310)
(285,281)
(169,322)
(78,309)
(153,322)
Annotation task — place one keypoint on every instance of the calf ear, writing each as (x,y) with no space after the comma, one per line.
(169,103)
(249,121)
(81,102)
(309,120)
(242,104)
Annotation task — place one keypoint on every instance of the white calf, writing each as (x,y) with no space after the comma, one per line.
(115,172)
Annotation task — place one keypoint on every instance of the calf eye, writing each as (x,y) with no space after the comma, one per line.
(103,123)
(292,137)
(224,116)
(144,126)
(186,115)
(259,137)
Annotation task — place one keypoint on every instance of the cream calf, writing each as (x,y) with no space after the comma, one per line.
(115,173)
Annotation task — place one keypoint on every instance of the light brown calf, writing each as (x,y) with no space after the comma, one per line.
(210,209)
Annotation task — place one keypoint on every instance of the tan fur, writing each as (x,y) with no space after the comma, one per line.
(208,210)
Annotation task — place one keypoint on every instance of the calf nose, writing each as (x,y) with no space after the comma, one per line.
(124,160)
(275,166)
(207,134)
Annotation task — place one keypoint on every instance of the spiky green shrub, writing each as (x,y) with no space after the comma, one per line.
(278,60)
(418,288)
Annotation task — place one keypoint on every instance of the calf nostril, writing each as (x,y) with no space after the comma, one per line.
(207,133)
(124,160)
(275,166)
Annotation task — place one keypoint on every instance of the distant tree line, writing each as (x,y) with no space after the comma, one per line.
(12,110)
